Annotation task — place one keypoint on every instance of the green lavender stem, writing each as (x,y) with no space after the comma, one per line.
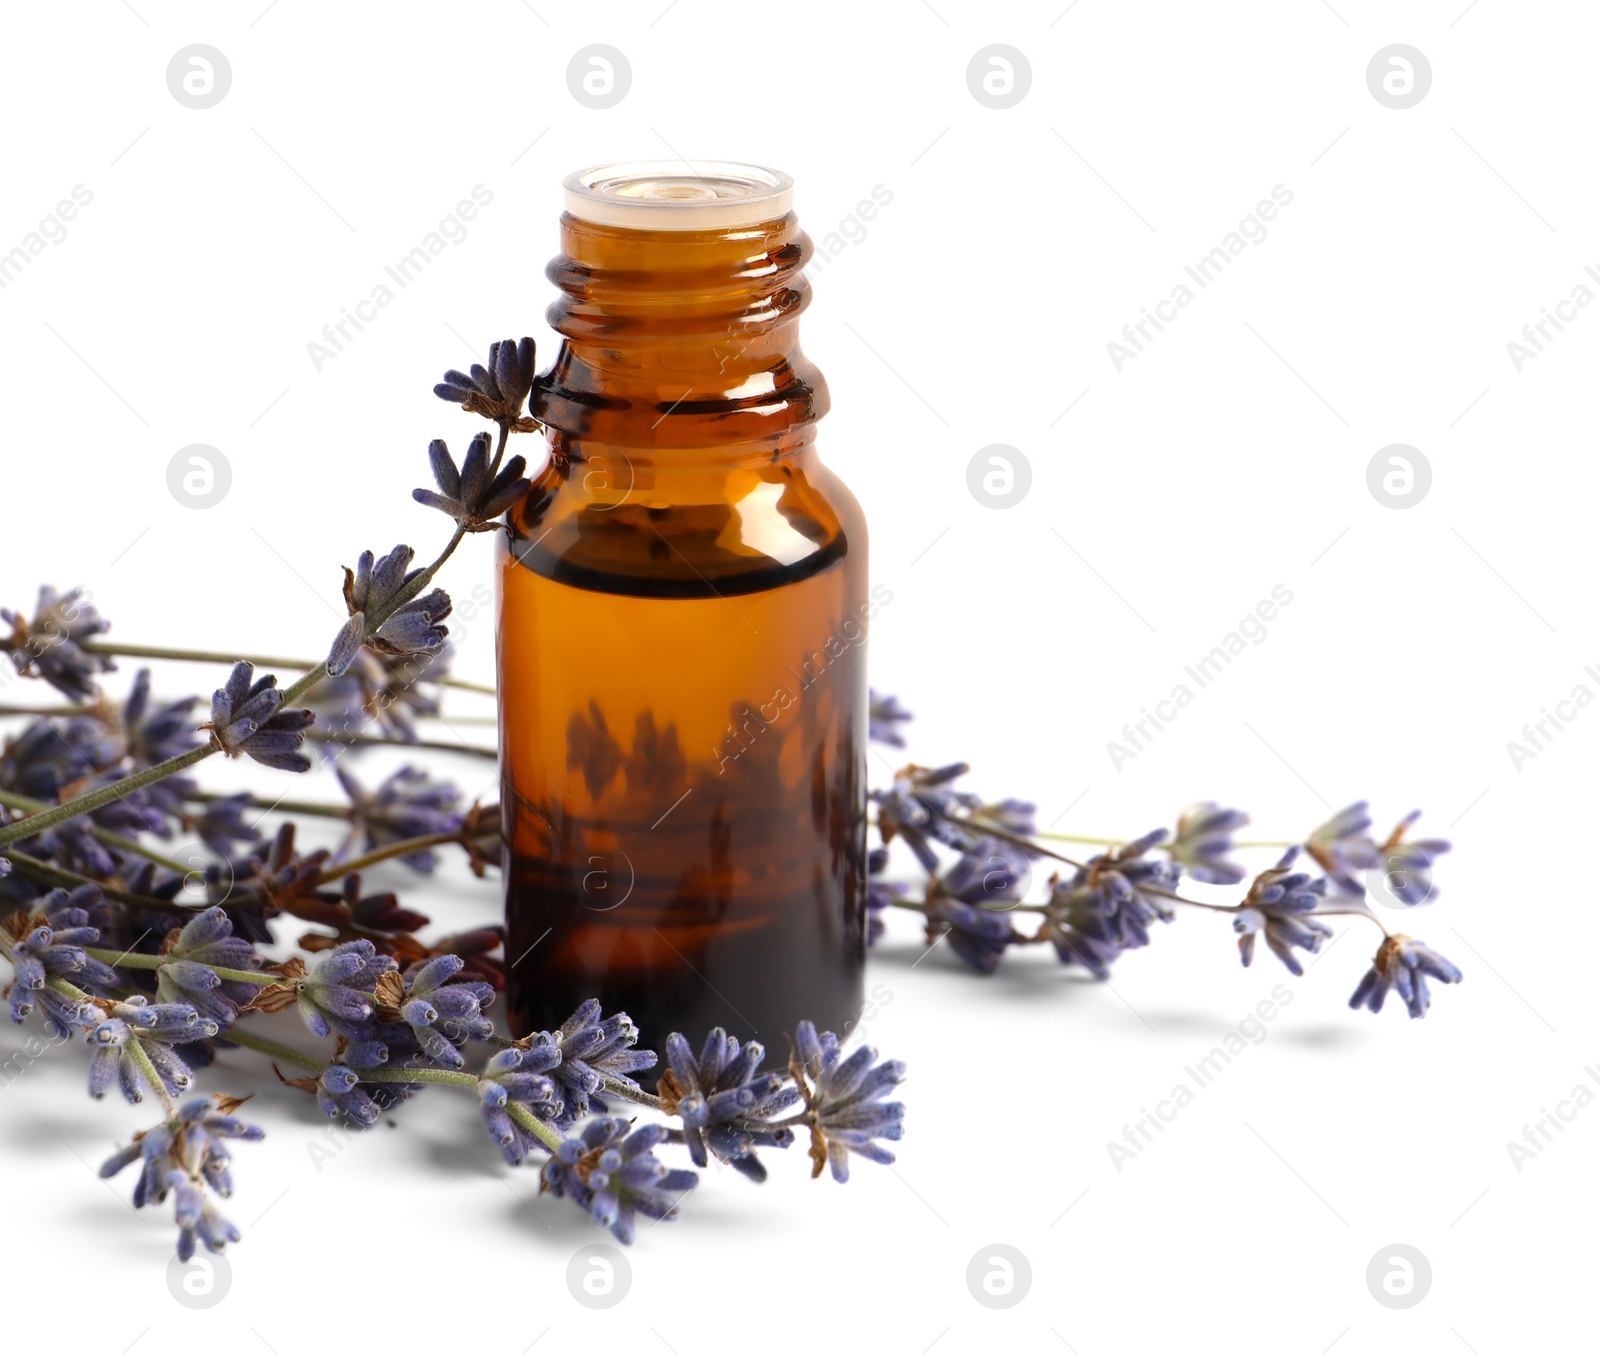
(313,808)
(535,1126)
(133,960)
(433,745)
(126,844)
(390,850)
(627,1093)
(147,1070)
(115,649)
(107,794)
(273,1049)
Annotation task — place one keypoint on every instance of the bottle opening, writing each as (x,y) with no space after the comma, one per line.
(673,195)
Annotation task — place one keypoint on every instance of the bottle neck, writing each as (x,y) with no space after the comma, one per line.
(680,341)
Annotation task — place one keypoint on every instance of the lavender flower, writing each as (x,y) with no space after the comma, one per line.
(1279,907)
(516,1076)
(443,1014)
(247,718)
(844,1100)
(51,754)
(138,1026)
(410,624)
(63,1013)
(221,824)
(338,994)
(1342,847)
(1203,839)
(1107,907)
(592,1048)
(280,874)
(390,689)
(407,804)
(991,872)
(188,971)
(338,1093)
(498,390)
(920,806)
(154,735)
(721,1099)
(1012,815)
(49,645)
(1406,966)
(48,945)
(183,1156)
(1408,866)
(616,1176)
(52,944)
(885,715)
(474,496)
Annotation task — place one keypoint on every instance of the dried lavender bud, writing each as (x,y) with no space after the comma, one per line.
(407,804)
(1279,907)
(885,715)
(247,718)
(183,1156)
(844,1101)
(1406,966)
(48,645)
(721,1099)
(1203,839)
(473,497)
(412,627)
(498,390)
(615,1175)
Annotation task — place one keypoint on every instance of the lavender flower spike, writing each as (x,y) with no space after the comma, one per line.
(1406,966)
(1408,866)
(885,715)
(443,1014)
(593,1047)
(188,972)
(992,871)
(720,1099)
(337,996)
(1343,848)
(139,1026)
(615,1175)
(1279,907)
(844,1100)
(408,803)
(49,645)
(495,391)
(517,1076)
(1203,839)
(247,718)
(470,495)
(411,627)
(184,1156)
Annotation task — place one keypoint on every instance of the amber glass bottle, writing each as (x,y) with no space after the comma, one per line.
(683,603)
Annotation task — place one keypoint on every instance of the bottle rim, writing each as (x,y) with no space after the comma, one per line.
(677,195)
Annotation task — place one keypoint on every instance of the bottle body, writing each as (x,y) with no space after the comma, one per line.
(683,602)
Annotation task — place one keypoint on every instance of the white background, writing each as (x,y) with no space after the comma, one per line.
(1229,457)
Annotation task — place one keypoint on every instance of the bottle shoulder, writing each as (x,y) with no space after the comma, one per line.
(677,527)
